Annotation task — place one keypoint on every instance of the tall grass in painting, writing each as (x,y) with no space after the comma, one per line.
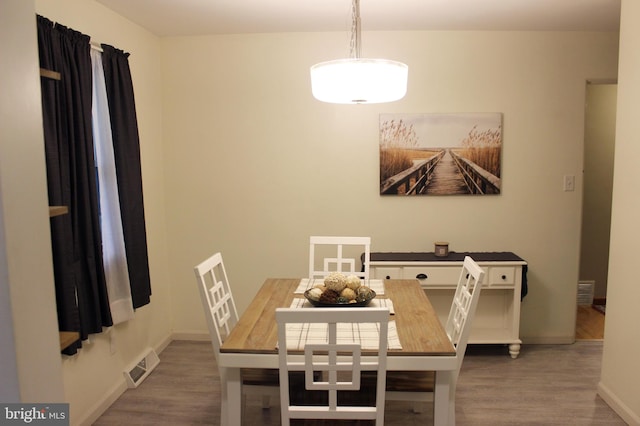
(483,148)
(395,139)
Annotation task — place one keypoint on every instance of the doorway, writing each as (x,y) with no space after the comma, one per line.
(599,145)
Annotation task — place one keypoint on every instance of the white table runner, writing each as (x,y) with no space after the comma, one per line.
(365,334)
(306,284)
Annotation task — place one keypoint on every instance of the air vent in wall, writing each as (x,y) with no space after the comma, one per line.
(585,292)
(135,374)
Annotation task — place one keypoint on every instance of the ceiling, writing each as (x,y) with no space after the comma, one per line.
(201,17)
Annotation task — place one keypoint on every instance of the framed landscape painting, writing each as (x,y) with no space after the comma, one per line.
(440,154)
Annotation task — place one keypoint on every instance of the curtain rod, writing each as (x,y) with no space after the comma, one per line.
(96,46)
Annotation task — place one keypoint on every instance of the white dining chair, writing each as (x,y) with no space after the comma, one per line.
(418,386)
(329,254)
(222,316)
(332,362)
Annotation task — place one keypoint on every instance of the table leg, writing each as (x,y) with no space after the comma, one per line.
(444,399)
(231,398)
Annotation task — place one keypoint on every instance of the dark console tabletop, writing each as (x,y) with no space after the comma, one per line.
(453,257)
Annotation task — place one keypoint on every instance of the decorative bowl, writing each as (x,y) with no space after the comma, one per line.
(320,304)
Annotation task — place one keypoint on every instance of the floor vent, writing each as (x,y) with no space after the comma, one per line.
(585,292)
(141,369)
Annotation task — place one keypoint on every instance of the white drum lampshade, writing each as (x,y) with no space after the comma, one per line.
(348,81)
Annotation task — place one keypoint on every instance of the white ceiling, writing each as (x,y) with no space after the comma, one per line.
(200,17)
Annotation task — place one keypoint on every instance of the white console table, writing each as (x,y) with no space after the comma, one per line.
(497,319)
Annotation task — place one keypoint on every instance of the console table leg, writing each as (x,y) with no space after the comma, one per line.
(514,350)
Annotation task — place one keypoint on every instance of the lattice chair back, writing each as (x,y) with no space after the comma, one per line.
(463,307)
(222,316)
(332,361)
(339,254)
(418,386)
(217,299)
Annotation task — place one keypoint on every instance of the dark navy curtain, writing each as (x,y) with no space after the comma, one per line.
(81,293)
(126,147)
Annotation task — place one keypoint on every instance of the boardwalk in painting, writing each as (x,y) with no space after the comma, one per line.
(446,178)
(443,173)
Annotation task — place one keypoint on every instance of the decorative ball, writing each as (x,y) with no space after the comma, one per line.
(353,282)
(314,293)
(329,296)
(335,281)
(364,293)
(348,294)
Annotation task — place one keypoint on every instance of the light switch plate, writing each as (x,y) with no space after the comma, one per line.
(569,183)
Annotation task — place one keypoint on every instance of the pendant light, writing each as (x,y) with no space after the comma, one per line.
(358,81)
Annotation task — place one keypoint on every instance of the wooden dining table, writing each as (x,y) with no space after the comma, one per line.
(425,345)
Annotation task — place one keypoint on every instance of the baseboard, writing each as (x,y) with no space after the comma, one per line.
(599,300)
(103,405)
(195,335)
(548,340)
(618,406)
(163,343)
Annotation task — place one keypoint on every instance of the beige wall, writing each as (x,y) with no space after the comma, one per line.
(94,376)
(620,371)
(257,165)
(239,158)
(599,147)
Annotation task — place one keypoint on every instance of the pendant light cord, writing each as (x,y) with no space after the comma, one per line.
(354,45)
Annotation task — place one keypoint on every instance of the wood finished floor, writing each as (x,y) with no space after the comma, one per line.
(589,323)
(545,385)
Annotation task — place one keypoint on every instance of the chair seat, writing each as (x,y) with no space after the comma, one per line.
(419,387)
(222,316)
(269,377)
(260,376)
(410,381)
(404,381)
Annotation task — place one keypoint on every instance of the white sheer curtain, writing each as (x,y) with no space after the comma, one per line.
(114,254)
